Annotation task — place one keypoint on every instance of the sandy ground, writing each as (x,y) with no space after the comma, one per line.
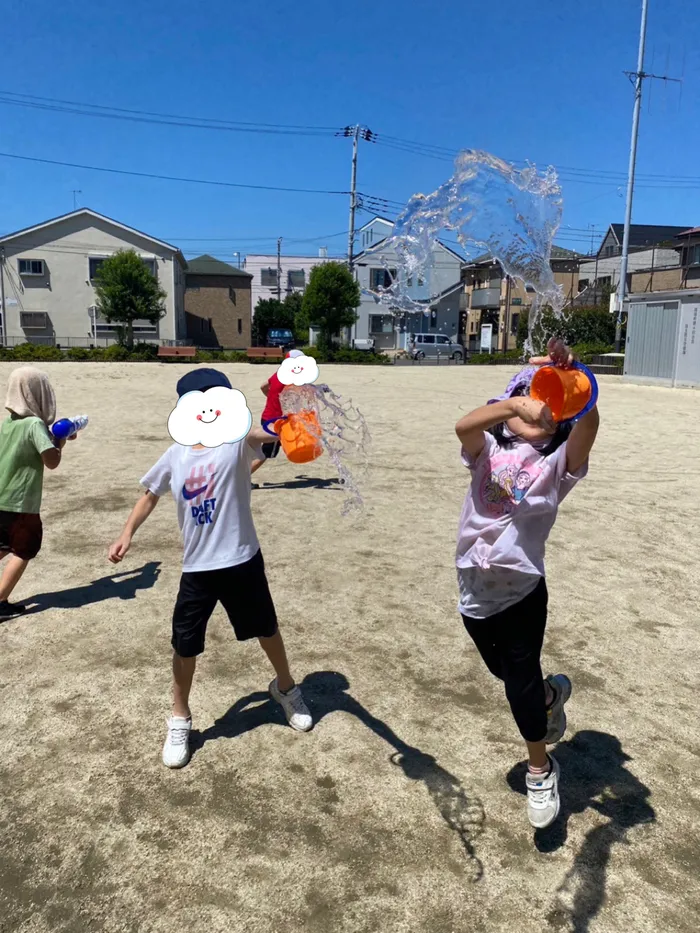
(403,809)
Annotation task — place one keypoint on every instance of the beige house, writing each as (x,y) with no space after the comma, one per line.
(490,297)
(46,282)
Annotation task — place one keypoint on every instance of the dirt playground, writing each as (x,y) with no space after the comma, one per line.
(403,811)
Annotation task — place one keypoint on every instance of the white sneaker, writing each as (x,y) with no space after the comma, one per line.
(543,801)
(296,711)
(176,751)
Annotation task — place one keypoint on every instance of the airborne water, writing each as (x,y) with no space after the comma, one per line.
(492,207)
(344,435)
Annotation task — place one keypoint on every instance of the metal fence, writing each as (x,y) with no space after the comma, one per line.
(88,343)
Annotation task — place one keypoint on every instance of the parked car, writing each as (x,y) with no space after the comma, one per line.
(363,343)
(280,337)
(432,345)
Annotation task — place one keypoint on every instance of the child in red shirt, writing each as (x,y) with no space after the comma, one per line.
(272,389)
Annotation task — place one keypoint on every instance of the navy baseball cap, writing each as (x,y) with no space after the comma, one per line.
(199,380)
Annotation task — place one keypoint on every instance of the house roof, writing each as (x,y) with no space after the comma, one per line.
(691,232)
(645,234)
(208,265)
(371,221)
(85,211)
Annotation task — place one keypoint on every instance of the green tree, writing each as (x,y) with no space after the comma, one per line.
(330,301)
(127,291)
(270,313)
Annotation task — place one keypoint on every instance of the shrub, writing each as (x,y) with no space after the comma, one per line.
(78,353)
(235,356)
(491,359)
(586,351)
(360,356)
(28,352)
(144,352)
(115,354)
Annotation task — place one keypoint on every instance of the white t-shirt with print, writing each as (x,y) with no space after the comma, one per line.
(508,513)
(212,490)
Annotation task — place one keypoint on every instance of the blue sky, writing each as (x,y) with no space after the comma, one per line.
(531,81)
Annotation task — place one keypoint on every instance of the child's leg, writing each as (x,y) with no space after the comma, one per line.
(481,633)
(183,672)
(275,651)
(11,575)
(520,636)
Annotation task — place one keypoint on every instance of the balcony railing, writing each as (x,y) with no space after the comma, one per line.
(486,298)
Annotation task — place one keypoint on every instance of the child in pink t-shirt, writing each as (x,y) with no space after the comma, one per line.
(522,465)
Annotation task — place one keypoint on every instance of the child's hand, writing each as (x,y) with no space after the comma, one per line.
(558,355)
(533,412)
(119,549)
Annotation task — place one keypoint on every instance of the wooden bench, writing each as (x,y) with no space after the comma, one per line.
(177,351)
(265,353)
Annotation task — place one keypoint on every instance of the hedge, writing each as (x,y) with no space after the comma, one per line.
(146,352)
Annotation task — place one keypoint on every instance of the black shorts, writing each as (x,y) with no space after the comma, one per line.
(243,592)
(271,450)
(21,534)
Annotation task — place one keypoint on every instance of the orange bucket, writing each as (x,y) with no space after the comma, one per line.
(299,436)
(567,392)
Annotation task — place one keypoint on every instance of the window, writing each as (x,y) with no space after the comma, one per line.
(442,339)
(582,283)
(381,278)
(32,320)
(514,321)
(428,338)
(232,294)
(268,277)
(609,250)
(297,278)
(433,319)
(31,266)
(381,324)
(529,289)
(240,325)
(205,326)
(94,263)
(409,281)
(421,282)
(693,255)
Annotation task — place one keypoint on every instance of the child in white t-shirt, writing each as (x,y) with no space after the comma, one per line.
(522,465)
(222,563)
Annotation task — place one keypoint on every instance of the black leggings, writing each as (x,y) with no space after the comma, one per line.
(510,643)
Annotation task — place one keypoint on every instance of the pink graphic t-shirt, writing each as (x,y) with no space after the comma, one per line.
(508,512)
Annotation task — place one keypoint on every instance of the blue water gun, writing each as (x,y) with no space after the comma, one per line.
(69,427)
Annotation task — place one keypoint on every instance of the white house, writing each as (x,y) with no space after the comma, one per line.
(440,290)
(295,271)
(46,276)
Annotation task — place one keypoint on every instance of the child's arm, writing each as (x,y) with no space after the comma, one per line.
(52,457)
(581,440)
(265,388)
(258,436)
(139,514)
(470,429)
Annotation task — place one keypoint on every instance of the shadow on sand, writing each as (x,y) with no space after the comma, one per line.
(593,775)
(302,482)
(124,585)
(327,692)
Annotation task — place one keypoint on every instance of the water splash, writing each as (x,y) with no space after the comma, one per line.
(511,214)
(344,434)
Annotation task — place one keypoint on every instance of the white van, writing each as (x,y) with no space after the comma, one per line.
(433,345)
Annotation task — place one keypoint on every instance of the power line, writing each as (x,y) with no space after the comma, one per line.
(145,116)
(191,181)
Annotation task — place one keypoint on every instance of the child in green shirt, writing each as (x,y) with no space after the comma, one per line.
(26,447)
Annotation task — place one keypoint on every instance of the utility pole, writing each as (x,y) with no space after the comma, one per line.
(639,75)
(279,269)
(3,322)
(356,132)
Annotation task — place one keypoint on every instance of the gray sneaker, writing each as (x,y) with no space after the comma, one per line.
(556,717)
(543,801)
